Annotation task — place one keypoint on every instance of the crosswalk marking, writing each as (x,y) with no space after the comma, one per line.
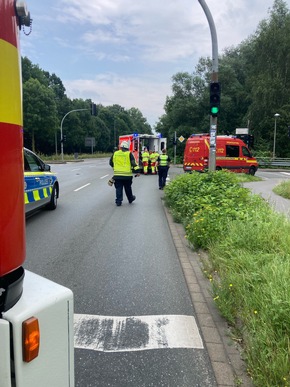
(135,333)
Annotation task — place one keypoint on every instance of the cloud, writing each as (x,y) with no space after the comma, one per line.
(109,89)
(125,52)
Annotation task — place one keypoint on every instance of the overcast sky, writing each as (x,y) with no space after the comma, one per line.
(125,52)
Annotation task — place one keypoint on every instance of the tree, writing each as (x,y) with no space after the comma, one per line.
(140,124)
(40,114)
(269,75)
(255,81)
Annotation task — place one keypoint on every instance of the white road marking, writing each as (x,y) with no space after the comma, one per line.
(285,173)
(76,169)
(103,177)
(84,186)
(135,333)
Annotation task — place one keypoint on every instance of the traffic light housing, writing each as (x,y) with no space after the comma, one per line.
(93,109)
(215,92)
(251,140)
(173,140)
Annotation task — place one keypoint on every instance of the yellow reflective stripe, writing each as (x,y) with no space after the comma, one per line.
(10,80)
(45,193)
(36,195)
(38,173)
(252,161)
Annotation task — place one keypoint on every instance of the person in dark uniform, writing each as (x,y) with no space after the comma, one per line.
(163,166)
(123,162)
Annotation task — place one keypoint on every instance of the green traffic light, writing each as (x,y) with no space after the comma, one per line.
(214,110)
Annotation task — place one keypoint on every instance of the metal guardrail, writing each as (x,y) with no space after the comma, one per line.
(277,162)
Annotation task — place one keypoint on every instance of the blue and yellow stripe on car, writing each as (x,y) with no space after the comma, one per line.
(36,195)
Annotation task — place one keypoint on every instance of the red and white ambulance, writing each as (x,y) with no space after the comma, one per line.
(138,142)
(231,153)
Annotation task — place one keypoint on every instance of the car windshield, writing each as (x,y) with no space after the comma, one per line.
(31,163)
(246,152)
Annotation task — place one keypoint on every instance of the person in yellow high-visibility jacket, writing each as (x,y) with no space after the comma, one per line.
(163,163)
(145,161)
(123,162)
(153,159)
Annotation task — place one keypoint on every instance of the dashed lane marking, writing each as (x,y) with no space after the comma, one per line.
(135,333)
(84,186)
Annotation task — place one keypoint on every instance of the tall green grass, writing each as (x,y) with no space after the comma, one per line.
(283,189)
(248,245)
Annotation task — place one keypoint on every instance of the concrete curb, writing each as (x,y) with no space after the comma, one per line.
(224,354)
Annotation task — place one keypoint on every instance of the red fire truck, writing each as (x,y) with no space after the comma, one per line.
(36,315)
(231,153)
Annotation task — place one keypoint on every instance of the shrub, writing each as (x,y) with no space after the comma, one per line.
(249,265)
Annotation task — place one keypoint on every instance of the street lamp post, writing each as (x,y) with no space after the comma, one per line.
(214,78)
(114,132)
(275,131)
(61,136)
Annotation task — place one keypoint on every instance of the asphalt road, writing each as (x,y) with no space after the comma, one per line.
(135,323)
(271,178)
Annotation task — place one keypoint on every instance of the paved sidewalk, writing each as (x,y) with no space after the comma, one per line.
(224,354)
(265,189)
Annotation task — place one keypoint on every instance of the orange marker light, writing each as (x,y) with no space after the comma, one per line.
(30,339)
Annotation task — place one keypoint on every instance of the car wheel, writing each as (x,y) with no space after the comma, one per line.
(53,199)
(252,171)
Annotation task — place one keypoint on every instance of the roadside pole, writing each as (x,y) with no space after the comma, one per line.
(61,135)
(174,148)
(214,78)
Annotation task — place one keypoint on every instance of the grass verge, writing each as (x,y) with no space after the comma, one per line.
(248,245)
(283,189)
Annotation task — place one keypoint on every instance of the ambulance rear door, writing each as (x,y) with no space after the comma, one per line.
(196,154)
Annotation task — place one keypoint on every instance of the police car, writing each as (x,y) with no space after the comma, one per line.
(41,187)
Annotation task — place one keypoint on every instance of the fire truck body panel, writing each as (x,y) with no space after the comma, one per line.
(231,153)
(36,315)
(12,254)
(137,143)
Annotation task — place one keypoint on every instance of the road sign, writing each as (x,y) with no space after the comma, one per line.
(181,138)
(90,141)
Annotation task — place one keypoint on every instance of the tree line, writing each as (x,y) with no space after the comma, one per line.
(255,84)
(45,104)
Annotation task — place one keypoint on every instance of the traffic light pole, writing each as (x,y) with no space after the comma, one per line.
(214,78)
(174,148)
